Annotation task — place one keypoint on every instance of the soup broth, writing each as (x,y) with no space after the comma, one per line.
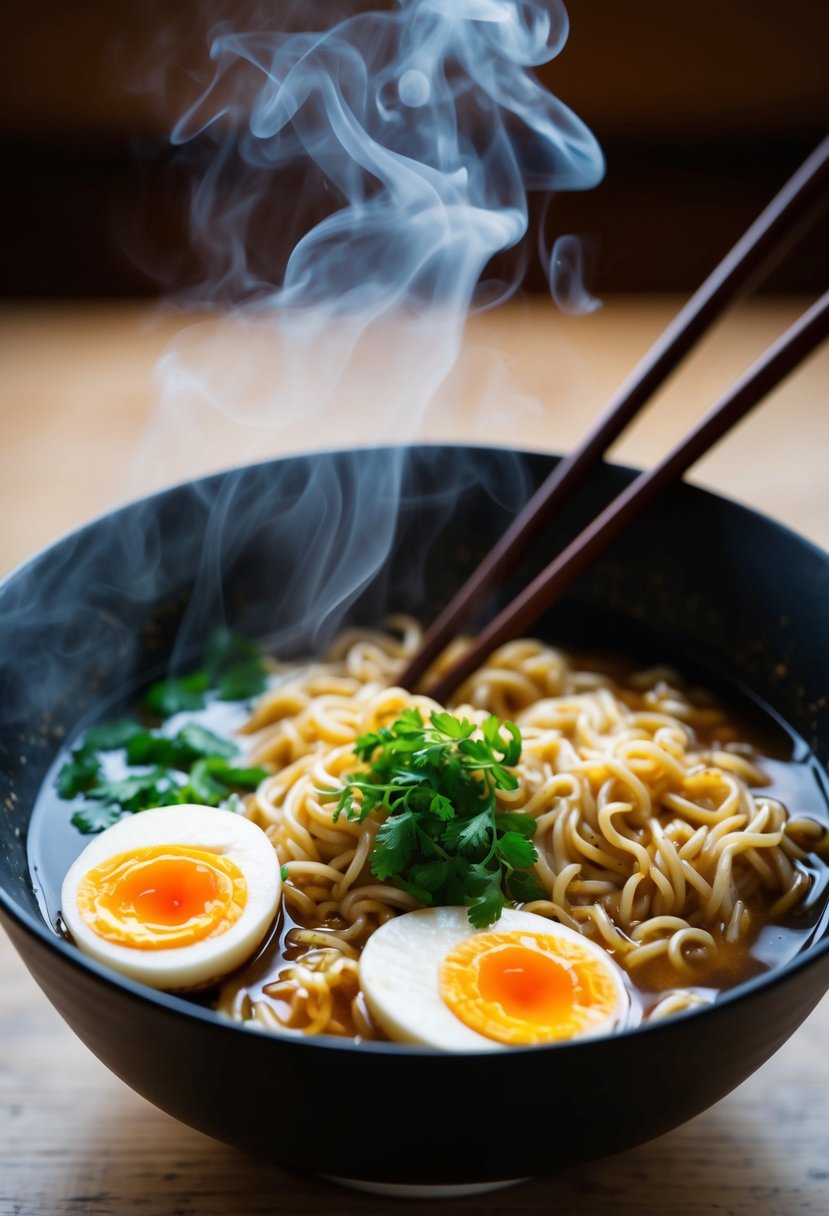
(304,978)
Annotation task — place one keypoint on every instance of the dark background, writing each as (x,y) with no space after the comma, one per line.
(703,109)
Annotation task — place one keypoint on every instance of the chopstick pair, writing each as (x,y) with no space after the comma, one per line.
(769,235)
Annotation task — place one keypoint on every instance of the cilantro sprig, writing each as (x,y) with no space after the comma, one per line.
(442,838)
(233,667)
(194,765)
(161,769)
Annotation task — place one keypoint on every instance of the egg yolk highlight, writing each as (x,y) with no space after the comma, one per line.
(527,988)
(162,897)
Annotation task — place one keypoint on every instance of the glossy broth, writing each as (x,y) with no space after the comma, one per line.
(796,779)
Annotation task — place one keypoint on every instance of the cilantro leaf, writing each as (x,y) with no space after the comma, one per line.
(177,694)
(471,835)
(516,850)
(195,764)
(394,845)
(523,886)
(242,681)
(151,748)
(367,745)
(434,786)
(491,730)
(138,792)
(232,774)
(95,817)
(192,742)
(111,735)
(433,875)
(515,821)
(197,740)
(345,802)
(205,788)
(212,779)
(487,902)
(441,807)
(78,773)
(226,650)
(233,666)
(453,728)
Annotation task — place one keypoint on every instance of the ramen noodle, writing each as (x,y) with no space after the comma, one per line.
(654,835)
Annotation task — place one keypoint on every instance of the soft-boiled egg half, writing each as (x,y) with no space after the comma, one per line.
(429,978)
(174,897)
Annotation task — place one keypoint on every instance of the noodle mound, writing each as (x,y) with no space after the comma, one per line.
(651,839)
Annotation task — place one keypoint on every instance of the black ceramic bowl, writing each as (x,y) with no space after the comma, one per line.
(701,579)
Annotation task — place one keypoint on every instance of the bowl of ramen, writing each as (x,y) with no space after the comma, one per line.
(360,933)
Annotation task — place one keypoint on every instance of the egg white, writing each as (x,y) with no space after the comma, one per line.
(201,827)
(400,975)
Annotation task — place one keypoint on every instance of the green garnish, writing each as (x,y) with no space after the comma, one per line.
(233,667)
(193,765)
(212,779)
(79,773)
(177,694)
(193,742)
(112,799)
(442,839)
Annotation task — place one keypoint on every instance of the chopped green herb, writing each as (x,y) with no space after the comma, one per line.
(140,791)
(212,779)
(95,817)
(248,778)
(242,682)
(112,735)
(233,667)
(193,765)
(192,742)
(204,786)
(152,748)
(178,694)
(197,740)
(79,773)
(442,839)
(226,650)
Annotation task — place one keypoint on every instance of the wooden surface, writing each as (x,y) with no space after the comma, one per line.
(76,390)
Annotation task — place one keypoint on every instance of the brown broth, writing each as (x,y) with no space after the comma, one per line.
(795,778)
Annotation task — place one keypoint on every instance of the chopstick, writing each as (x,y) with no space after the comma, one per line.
(762,243)
(777,362)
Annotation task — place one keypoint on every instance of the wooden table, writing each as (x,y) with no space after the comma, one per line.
(77,390)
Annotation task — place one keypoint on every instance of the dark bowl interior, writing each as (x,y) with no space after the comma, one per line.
(289,551)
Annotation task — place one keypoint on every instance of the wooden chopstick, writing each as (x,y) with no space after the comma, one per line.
(755,251)
(777,362)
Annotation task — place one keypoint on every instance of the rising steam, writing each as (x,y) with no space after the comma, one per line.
(411,137)
(425,125)
(418,133)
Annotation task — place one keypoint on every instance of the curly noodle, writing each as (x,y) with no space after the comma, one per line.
(653,833)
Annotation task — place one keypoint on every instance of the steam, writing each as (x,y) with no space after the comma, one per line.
(422,128)
(566,277)
(411,137)
(426,124)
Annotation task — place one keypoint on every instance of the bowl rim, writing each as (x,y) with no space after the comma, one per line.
(180,1007)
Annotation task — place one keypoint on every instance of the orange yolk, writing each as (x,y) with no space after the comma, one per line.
(163,896)
(526,984)
(527,988)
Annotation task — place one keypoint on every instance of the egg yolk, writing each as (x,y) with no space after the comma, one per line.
(163,896)
(527,988)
